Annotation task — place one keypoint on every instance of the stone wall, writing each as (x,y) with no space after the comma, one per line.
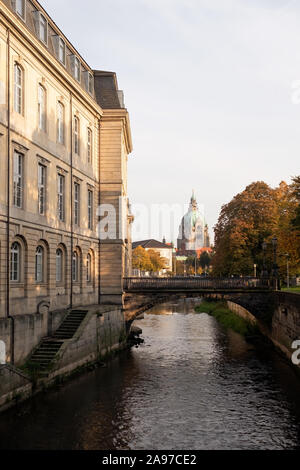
(284,327)
(101,332)
(14,386)
(28,332)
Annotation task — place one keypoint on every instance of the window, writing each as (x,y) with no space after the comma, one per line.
(60,123)
(75,267)
(42,188)
(90,146)
(77,69)
(15,262)
(90,209)
(61,198)
(59,265)
(89,268)
(62,51)
(76,203)
(42,108)
(18,89)
(18,180)
(20,8)
(39,264)
(90,83)
(76,135)
(43,27)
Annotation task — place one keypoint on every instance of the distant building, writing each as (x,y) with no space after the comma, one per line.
(165,251)
(193,232)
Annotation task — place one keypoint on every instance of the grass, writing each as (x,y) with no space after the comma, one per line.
(227,318)
(291,289)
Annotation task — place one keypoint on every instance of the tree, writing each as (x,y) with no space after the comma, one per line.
(255,216)
(204,260)
(243,225)
(157,262)
(141,259)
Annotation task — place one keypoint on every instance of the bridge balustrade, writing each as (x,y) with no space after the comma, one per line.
(195,283)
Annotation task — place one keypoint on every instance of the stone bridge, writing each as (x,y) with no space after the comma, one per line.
(255,295)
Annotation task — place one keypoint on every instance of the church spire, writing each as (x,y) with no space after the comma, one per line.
(193,196)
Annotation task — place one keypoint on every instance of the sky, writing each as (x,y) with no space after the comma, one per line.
(212,88)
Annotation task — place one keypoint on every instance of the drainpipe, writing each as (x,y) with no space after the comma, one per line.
(71,195)
(12,330)
(99,202)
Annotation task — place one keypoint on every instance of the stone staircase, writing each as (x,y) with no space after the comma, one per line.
(46,352)
(70,325)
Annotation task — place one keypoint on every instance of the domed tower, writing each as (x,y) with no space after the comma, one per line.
(192,230)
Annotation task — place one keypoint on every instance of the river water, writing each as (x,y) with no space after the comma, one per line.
(192,385)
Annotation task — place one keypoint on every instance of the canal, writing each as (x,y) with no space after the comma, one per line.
(191,385)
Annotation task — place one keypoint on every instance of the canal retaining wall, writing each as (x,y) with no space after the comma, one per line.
(102,332)
(284,328)
(26,331)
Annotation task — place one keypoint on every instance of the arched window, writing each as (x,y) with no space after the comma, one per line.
(59,265)
(76,135)
(60,123)
(75,266)
(89,268)
(42,108)
(15,262)
(18,89)
(39,264)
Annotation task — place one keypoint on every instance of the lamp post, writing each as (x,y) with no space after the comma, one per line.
(196,265)
(264,270)
(287,269)
(275,267)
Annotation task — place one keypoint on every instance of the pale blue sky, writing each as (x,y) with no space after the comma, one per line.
(208,84)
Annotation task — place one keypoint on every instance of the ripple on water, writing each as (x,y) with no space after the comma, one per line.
(192,385)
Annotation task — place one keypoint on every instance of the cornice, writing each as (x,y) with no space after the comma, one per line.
(16,26)
(120,115)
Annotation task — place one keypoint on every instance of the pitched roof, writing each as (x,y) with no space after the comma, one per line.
(106,89)
(151,244)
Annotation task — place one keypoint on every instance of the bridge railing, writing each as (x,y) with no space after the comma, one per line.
(195,283)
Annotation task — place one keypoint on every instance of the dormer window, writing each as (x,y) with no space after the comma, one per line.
(41,27)
(77,69)
(90,83)
(19,6)
(62,51)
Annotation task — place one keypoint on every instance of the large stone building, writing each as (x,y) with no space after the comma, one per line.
(193,232)
(64,142)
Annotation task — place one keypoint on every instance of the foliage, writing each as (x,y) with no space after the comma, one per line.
(204,260)
(147,260)
(252,217)
(226,317)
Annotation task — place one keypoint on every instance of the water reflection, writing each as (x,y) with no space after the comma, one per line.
(192,385)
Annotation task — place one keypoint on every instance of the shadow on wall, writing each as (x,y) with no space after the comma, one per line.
(2,353)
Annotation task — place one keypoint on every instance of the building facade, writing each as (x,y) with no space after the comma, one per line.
(64,142)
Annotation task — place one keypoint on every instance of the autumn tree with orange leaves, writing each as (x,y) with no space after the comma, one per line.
(252,217)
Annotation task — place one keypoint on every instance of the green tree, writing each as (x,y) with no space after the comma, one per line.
(204,260)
